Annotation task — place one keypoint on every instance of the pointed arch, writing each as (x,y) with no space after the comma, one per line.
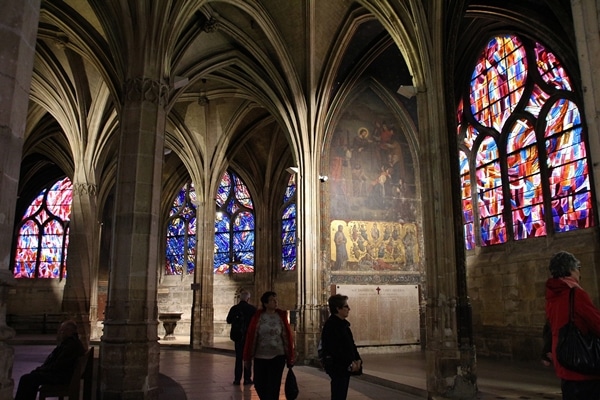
(43,234)
(289,227)
(234,226)
(522,146)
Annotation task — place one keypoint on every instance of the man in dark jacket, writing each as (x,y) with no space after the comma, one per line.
(340,355)
(239,317)
(59,365)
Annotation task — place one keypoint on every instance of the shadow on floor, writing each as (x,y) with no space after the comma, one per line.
(170,390)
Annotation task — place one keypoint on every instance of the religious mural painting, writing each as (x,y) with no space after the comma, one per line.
(372,189)
(374,246)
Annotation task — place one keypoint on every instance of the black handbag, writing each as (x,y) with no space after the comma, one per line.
(576,351)
(291,385)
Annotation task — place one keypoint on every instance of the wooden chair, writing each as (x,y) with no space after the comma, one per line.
(72,389)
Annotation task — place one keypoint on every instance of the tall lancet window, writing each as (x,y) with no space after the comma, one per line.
(288,227)
(43,234)
(234,227)
(181,233)
(522,147)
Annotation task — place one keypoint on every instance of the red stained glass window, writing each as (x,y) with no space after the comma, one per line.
(502,164)
(43,234)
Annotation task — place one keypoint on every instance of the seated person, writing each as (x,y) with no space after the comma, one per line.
(59,365)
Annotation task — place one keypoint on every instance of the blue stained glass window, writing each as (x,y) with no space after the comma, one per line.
(181,233)
(234,227)
(505,69)
(288,227)
(43,234)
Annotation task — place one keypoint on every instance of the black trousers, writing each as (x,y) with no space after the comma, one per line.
(31,382)
(267,377)
(239,363)
(580,390)
(340,380)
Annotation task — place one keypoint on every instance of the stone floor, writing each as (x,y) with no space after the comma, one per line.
(208,374)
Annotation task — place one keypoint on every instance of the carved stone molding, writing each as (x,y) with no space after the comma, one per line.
(84,189)
(144,89)
(211,25)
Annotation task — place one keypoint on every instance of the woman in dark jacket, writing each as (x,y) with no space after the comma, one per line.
(340,355)
(564,268)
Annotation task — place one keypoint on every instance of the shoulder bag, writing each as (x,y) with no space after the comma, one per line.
(291,385)
(574,350)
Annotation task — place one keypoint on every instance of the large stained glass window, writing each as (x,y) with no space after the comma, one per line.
(234,227)
(288,227)
(181,233)
(522,151)
(43,234)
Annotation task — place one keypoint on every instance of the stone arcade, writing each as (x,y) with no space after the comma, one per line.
(134,100)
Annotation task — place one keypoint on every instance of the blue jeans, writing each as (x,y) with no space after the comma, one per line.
(580,390)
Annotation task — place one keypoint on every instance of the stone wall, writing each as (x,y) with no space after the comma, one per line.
(175,296)
(506,285)
(35,296)
(226,289)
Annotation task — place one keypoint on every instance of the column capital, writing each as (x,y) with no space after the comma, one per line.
(145,89)
(84,189)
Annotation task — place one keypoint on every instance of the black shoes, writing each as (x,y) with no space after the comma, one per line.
(236,382)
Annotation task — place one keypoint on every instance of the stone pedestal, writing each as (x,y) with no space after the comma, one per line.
(169,321)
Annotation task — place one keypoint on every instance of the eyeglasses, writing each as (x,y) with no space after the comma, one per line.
(346,306)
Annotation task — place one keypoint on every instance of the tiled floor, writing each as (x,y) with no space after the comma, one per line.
(208,374)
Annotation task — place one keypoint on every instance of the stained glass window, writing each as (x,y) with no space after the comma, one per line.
(515,152)
(43,234)
(234,227)
(181,233)
(288,227)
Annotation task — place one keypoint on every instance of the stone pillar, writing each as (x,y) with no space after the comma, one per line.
(82,263)
(129,351)
(6,333)
(310,290)
(18,29)
(202,330)
(449,351)
(202,308)
(586,23)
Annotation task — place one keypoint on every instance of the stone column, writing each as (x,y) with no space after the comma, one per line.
(202,308)
(82,263)
(450,353)
(129,351)
(6,333)
(586,23)
(310,291)
(18,29)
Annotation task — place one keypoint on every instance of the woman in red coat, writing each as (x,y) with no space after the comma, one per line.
(270,343)
(564,268)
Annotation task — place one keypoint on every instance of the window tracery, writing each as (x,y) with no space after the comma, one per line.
(522,150)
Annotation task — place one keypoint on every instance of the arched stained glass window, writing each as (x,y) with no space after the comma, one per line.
(288,227)
(522,151)
(43,234)
(181,233)
(489,192)
(234,227)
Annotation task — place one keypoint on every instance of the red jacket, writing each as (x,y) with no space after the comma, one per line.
(251,337)
(587,318)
